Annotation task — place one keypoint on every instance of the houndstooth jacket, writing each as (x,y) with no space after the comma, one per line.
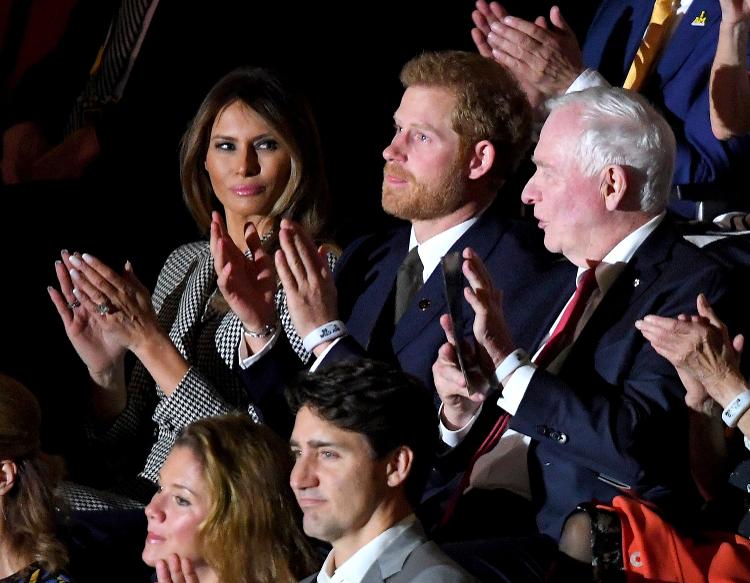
(208,337)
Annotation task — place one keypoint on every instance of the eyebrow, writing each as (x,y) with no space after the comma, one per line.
(234,139)
(177,485)
(316,444)
(419,126)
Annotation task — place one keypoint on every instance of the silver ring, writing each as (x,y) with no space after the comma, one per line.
(103,309)
(74,304)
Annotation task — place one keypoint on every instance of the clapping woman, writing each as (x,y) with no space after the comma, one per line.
(252,154)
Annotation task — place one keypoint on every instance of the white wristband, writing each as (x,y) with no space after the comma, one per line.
(736,409)
(325,333)
(512,362)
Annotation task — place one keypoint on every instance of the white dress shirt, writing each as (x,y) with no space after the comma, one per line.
(355,567)
(430,253)
(505,466)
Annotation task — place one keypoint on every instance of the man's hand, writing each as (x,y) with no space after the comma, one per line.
(69,159)
(544,58)
(490,330)
(307,280)
(701,350)
(23,144)
(459,404)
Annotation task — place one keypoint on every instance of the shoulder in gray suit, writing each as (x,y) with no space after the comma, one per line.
(411,557)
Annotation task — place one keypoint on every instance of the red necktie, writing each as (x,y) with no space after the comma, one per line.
(560,337)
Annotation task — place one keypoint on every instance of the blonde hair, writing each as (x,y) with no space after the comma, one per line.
(305,198)
(29,506)
(489,103)
(252,532)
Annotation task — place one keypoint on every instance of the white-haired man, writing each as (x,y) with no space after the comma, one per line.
(599,410)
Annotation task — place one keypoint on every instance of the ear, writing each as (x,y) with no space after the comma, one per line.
(400,465)
(8,472)
(614,186)
(205,165)
(482,159)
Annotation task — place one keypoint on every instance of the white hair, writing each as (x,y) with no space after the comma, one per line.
(620,127)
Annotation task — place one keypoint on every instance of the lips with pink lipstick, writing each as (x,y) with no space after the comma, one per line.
(248,189)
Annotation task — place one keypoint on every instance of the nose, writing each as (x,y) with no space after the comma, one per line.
(395,150)
(249,164)
(303,474)
(531,194)
(153,510)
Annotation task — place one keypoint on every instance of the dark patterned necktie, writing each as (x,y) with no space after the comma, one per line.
(408,282)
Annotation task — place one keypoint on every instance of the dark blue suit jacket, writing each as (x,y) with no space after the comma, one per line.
(365,279)
(677,86)
(615,413)
(366,275)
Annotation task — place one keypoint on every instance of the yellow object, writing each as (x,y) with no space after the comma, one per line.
(700,20)
(650,45)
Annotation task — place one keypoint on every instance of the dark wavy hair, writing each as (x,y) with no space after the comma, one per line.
(306,197)
(29,506)
(389,407)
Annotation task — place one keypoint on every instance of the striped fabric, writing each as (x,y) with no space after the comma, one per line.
(116,57)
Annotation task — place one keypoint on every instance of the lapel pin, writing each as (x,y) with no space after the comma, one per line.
(700,20)
(424,304)
(636,282)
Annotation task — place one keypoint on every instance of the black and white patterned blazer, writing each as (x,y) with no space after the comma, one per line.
(208,337)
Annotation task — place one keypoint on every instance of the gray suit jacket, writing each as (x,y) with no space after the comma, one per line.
(412,558)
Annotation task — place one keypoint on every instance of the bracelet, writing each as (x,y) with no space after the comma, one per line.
(736,409)
(326,332)
(515,360)
(264,332)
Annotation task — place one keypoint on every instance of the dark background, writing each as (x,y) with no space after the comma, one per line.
(346,57)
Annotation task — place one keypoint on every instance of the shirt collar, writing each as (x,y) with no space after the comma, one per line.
(356,566)
(614,261)
(432,250)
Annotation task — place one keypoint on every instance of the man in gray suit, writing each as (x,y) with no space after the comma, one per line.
(363,440)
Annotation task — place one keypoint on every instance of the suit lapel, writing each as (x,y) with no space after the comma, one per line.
(370,305)
(392,560)
(615,35)
(201,283)
(642,271)
(429,303)
(685,39)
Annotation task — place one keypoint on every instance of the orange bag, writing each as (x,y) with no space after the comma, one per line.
(654,551)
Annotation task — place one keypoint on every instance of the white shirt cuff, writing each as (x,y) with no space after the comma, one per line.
(586,80)
(515,388)
(323,354)
(248,360)
(452,438)
(747,442)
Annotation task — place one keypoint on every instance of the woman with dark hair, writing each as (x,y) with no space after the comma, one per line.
(29,550)
(224,510)
(252,153)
